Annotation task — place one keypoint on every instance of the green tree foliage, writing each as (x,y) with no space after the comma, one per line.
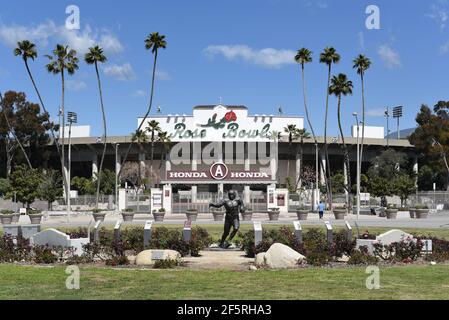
(404,186)
(88,186)
(431,139)
(50,188)
(24,183)
(30,126)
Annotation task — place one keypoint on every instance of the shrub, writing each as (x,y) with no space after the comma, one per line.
(342,246)
(44,254)
(166,264)
(319,255)
(361,257)
(368,236)
(10,252)
(81,232)
(6,212)
(404,251)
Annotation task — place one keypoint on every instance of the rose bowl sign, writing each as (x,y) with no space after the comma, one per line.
(218,172)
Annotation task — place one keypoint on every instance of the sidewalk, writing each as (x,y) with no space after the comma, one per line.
(438,220)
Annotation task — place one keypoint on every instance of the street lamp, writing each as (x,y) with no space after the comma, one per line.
(358,164)
(317,192)
(72,118)
(387,115)
(116,176)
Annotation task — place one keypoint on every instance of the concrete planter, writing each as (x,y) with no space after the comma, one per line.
(15,217)
(98,216)
(6,218)
(35,218)
(302,214)
(273,215)
(339,214)
(192,214)
(422,213)
(247,215)
(128,216)
(391,214)
(158,216)
(412,213)
(218,215)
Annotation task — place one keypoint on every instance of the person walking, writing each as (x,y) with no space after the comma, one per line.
(321,209)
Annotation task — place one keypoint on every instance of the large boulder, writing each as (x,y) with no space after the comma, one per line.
(279,256)
(149,257)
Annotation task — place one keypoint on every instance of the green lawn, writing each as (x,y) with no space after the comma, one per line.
(406,282)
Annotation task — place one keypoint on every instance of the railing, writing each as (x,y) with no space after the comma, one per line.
(433,199)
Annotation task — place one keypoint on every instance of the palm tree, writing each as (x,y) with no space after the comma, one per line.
(301,134)
(291,130)
(153,42)
(63,60)
(342,86)
(10,129)
(362,63)
(302,57)
(153,128)
(329,56)
(27,50)
(95,56)
(164,139)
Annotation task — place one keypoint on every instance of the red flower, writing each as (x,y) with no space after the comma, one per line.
(230,116)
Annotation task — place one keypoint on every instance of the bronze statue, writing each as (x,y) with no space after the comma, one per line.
(234,206)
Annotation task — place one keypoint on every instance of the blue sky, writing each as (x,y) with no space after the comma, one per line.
(237,50)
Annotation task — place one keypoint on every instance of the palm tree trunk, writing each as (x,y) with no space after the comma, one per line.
(14,134)
(43,106)
(345,152)
(146,115)
(64,175)
(326,153)
(304,89)
(151,158)
(104,135)
(363,122)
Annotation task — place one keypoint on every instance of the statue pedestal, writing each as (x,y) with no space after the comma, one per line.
(216,247)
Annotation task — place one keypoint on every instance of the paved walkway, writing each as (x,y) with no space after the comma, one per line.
(437,220)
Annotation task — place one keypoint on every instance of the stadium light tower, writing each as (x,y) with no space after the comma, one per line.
(397,113)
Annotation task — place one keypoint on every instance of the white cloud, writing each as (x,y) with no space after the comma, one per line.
(379,112)
(439,12)
(75,85)
(444,48)
(47,32)
(123,72)
(389,56)
(268,57)
(163,75)
(139,94)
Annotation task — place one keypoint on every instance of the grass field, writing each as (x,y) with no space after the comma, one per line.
(406,282)
(398,282)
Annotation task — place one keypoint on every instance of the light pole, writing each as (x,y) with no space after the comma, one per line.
(317,192)
(397,113)
(358,164)
(116,176)
(387,115)
(72,117)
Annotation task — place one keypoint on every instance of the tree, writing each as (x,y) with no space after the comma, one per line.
(301,134)
(8,141)
(27,50)
(329,56)
(404,186)
(302,57)
(95,56)
(50,188)
(153,42)
(431,138)
(153,128)
(292,131)
(30,128)
(341,86)
(24,185)
(383,171)
(83,185)
(362,63)
(63,60)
